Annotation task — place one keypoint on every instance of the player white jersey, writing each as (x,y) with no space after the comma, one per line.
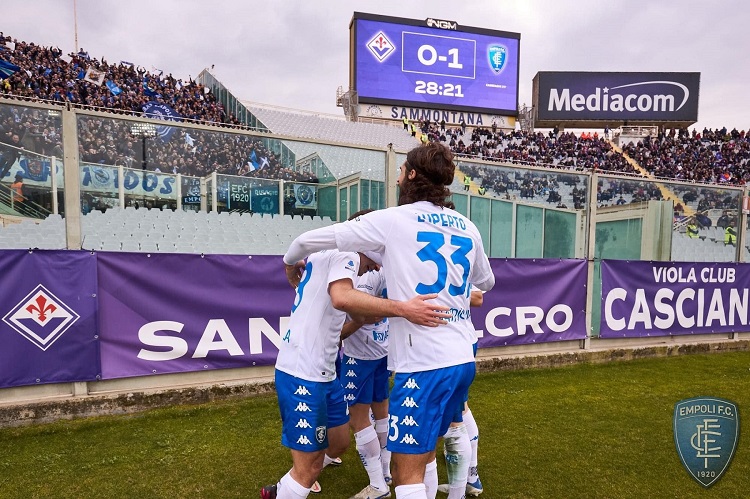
(419,258)
(310,345)
(370,342)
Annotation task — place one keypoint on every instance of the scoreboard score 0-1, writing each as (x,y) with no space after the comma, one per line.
(434,64)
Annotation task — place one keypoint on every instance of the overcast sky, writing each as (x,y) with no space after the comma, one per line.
(295,53)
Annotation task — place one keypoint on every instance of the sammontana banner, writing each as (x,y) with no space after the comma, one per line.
(668,298)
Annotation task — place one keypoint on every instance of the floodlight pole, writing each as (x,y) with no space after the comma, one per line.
(75,25)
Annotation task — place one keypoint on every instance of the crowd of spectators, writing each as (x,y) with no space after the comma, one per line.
(713,156)
(46,74)
(587,152)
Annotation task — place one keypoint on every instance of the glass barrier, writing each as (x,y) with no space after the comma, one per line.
(30,142)
(524,212)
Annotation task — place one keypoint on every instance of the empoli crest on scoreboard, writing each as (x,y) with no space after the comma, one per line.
(497,55)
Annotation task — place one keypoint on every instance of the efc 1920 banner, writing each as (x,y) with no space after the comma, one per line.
(663,298)
(533,301)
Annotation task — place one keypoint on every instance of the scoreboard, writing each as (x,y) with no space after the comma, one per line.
(433,64)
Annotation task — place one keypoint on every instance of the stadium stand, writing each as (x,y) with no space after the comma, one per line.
(166,232)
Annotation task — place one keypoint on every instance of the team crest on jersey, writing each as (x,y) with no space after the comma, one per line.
(380,46)
(320,434)
(706,430)
(497,55)
(41,317)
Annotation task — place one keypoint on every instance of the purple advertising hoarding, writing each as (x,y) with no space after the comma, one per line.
(533,301)
(561,96)
(166,313)
(82,316)
(669,298)
(434,64)
(49,316)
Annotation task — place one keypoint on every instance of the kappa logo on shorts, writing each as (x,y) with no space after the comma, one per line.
(320,434)
(304,440)
(409,439)
(41,317)
(350,361)
(302,407)
(411,384)
(302,423)
(351,386)
(351,374)
(409,421)
(349,397)
(302,390)
(409,402)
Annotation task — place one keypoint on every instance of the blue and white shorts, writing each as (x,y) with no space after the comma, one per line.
(364,381)
(423,405)
(308,409)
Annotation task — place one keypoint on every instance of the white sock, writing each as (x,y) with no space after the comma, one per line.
(457,455)
(327,460)
(473,430)
(431,479)
(381,428)
(289,489)
(413,491)
(368,447)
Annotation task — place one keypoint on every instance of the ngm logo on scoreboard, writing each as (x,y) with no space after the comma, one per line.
(434,64)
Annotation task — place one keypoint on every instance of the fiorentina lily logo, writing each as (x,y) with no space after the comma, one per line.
(41,317)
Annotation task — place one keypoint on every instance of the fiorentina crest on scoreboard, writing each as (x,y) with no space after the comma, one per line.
(706,430)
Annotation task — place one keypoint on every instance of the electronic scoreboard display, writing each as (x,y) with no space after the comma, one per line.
(434,64)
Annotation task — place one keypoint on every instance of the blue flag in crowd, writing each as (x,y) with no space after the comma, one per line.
(81,74)
(113,88)
(254,160)
(7,69)
(35,169)
(162,112)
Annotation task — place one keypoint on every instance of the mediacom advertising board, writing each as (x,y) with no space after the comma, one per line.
(616,97)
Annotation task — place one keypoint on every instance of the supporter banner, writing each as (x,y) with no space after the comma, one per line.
(667,298)
(616,97)
(48,308)
(265,199)
(35,170)
(533,301)
(103,179)
(306,196)
(167,313)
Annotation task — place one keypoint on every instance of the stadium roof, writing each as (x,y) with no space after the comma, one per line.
(328,128)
